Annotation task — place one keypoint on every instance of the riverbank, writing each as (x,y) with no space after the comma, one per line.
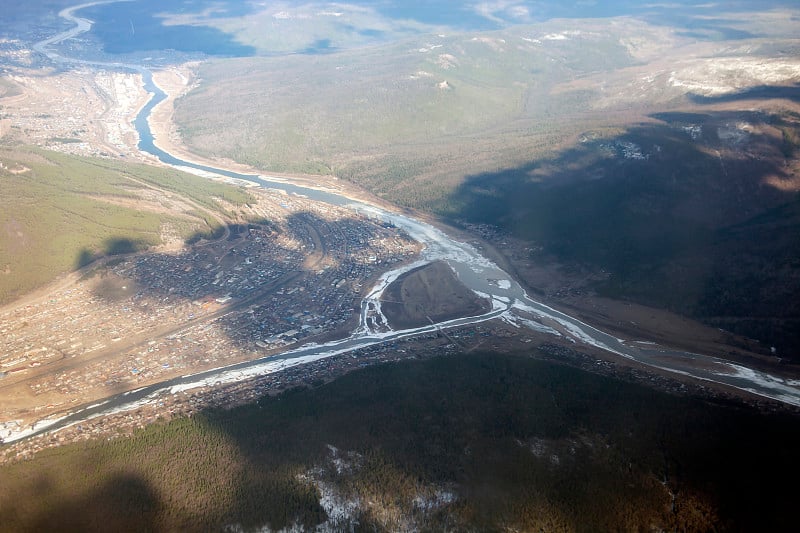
(494,336)
(176,82)
(628,320)
(479,273)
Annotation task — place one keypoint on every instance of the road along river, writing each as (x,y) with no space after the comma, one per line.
(509,300)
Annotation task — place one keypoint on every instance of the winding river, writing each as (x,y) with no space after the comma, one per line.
(509,300)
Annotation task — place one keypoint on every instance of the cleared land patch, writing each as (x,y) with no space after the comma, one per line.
(429,293)
(61,212)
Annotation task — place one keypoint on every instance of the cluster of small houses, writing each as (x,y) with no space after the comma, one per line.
(152,291)
(187,403)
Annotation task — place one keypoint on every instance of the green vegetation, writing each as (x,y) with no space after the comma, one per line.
(514,140)
(520,443)
(509,128)
(61,212)
(692,226)
(203,191)
(406,120)
(526,129)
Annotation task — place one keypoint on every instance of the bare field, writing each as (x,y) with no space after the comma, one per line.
(429,294)
(80,112)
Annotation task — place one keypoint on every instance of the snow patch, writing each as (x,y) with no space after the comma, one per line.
(439,499)
(518,321)
(344,463)
(340,510)
(719,76)
(17,432)
(447,61)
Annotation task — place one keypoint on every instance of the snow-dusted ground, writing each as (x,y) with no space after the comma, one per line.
(344,510)
(22,432)
(719,76)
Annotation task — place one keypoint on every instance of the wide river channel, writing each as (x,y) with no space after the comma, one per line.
(510,302)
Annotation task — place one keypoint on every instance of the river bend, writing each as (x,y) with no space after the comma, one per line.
(510,302)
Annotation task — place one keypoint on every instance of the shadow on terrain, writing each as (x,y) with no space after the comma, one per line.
(112,246)
(514,440)
(714,32)
(231,269)
(695,214)
(790,92)
(490,425)
(265,286)
(120,502)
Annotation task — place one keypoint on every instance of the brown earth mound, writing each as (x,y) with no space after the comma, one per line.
(429,293)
